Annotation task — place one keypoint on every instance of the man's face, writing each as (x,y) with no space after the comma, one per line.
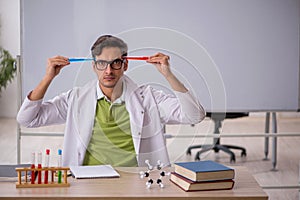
(109,77)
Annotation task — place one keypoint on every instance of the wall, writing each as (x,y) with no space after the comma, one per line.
(227,64)
(10,40)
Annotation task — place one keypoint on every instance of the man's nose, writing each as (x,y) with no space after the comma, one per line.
(108,69)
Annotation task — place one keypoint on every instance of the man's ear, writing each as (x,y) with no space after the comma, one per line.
(94,66)
(126,65)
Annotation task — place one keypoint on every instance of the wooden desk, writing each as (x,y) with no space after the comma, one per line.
(130,186)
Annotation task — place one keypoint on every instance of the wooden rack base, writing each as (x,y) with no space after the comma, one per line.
(29,185)
(51,183)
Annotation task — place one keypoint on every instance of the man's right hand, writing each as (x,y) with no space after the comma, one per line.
(54,66)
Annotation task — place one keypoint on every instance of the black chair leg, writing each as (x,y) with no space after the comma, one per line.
(243,153)
(226,150)
(189,150)
(197,157)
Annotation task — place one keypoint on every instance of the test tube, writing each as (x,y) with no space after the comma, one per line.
(59,165)
(39,158)
(47,157)
(32,167)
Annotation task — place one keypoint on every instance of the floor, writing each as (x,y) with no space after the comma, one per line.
(288,153)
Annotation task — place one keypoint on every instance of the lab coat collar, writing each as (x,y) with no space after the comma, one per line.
(129,87)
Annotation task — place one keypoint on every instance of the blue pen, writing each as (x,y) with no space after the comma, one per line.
(80,59)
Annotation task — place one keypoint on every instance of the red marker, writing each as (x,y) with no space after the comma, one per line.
(136,57)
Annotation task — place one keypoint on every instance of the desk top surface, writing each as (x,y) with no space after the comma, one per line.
(130,186)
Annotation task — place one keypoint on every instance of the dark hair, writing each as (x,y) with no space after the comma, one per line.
(108,41)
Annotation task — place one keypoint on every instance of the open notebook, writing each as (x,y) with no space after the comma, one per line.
(94,171)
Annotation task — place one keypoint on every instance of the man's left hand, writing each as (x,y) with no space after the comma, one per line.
(161,61)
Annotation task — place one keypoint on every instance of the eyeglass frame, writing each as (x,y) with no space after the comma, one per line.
(109,63)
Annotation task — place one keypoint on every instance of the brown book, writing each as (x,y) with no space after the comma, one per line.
(206,170)
(188,185)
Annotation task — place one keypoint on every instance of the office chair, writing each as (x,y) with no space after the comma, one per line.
(217,146)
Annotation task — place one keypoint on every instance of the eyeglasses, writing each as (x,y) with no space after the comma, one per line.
(115,64)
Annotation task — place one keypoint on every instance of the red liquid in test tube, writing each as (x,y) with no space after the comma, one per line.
(39,167)
(46,165)
(32,167)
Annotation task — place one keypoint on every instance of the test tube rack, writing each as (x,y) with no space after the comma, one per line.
(51,183)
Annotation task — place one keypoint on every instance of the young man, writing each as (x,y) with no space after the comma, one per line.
(112,120)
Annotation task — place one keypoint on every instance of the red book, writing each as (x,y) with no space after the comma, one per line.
(188,185)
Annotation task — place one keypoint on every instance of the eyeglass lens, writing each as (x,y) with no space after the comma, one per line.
(115,64)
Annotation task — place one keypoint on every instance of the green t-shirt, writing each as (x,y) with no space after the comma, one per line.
(111,141)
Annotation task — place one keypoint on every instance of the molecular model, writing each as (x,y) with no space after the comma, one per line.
(150,181)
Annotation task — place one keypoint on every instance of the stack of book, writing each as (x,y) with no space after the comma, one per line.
(202,175)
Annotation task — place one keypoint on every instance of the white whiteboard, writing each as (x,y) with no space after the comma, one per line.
(235,55)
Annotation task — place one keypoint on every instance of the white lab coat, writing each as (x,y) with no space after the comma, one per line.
(148,109)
